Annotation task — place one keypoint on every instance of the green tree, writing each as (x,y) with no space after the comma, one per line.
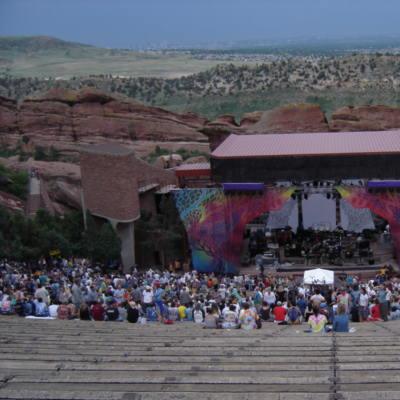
(101,243)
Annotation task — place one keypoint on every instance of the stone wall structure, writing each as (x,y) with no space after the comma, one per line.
(115,186)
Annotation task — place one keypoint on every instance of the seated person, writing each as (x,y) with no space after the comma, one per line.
(181,312)
(97,311)
(53,308)
(317,321)
(211,319)
(189,312)
(6,306)
(132,312)
(63,311)
(375,312)
(265,311)
(72,309)
(84,312)
(173,312)
(230,320)
(309,311)
(341,319)
(41,309)
(293,315)
(112,313)
(279,313)
(247,317)
(198,314)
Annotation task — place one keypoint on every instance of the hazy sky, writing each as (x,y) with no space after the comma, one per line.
(125,23)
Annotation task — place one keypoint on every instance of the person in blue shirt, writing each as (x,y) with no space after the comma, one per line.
(341,320)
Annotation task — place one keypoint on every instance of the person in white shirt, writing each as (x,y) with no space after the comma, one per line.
(147,297)
(269,297)
(364,305)
(53,310)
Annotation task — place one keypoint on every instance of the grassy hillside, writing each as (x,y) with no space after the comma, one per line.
(228,88)
(44,57)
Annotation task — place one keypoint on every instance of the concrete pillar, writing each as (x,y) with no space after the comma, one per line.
(126,232)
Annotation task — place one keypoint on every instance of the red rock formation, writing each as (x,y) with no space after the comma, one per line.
(65,119)
(289,119)
(11,202)
(365,118)
(250,119)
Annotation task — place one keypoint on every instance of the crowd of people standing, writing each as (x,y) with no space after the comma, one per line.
(78,290)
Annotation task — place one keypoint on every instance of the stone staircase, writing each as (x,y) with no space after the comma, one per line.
(41,359)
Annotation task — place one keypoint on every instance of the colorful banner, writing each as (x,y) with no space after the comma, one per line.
(215,223)
(385,204)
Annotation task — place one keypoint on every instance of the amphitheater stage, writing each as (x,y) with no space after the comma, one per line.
(42,359)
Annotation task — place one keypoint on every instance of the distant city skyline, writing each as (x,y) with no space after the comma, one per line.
(132,23)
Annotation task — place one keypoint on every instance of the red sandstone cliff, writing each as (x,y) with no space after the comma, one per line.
(65,118)
(365,118)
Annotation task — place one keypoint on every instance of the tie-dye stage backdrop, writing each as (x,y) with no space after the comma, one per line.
(385,205)
(215,223)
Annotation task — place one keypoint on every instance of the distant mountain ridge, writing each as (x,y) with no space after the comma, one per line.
(36,43)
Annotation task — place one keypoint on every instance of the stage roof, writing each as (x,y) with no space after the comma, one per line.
(196,169)
(309,144)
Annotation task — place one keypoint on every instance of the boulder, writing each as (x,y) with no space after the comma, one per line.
(168,161)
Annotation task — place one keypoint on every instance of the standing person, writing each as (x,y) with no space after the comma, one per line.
(383,305)
(158,298)
(257,299)
(355,303)
(344,298)
(77,296)
(317,298)
(147,298)
(363,305)
(42,293)
(269,297)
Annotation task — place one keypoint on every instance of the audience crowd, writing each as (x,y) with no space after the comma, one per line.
(78,290)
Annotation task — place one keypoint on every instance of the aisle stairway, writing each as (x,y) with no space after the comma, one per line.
(95,360)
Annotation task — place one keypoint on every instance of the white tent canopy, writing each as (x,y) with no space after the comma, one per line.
(318,276)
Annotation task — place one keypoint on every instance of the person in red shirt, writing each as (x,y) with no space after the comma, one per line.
(97,311)
(375,312)
(279,313)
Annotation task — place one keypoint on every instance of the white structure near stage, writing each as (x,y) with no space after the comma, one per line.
(319,276)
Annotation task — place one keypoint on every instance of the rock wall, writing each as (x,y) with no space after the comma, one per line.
(65,119)
(365,118)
